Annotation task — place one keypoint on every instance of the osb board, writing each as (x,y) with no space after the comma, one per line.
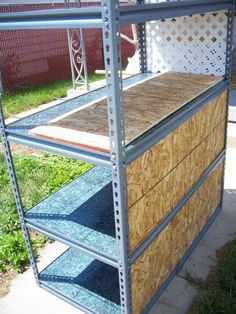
(145,104)
(198,162)
(147,170)
(181,180)
(206,119)
(150,270)
(217,110)
(213,187)
(179,228)
(171,150)
(215,143)
(148,212)
(203,202)
(182,139)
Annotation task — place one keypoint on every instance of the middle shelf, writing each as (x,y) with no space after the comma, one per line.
(80,214)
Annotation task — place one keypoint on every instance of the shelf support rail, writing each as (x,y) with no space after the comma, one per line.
(16,192)
(228,72)
(113,67)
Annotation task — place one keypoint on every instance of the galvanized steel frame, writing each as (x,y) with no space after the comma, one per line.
(109,17)
(113,67)
(16,192)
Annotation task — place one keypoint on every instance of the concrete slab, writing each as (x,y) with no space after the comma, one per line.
(26,297)
(177,298)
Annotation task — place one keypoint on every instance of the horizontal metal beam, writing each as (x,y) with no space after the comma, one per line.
(151,237)
(182,261)
(68,300)
(53,147)
(84,17)
(109,260)
(91,17)
(147,140)
(140,13)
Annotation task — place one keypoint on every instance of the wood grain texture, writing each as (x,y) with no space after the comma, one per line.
(181,180)
(198,162)
(149,211)
(150,270)
(148,169)
(182,139)
(179,229)
(215,143)
(206,119)
(145,104)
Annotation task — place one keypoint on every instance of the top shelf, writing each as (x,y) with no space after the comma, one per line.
(91,17)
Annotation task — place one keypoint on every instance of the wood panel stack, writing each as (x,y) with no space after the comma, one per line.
(158,180)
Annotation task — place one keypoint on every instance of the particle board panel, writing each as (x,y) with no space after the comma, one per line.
(148,212)
(145,104)
(150,270)
(179,228)
(148,169)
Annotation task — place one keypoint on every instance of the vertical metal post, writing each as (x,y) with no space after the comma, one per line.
(142,44)
(113,67)
(77,53)
(13,179)
(228,68)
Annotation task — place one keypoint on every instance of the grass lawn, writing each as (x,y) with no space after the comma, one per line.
(39,174)
(218,293)
(16,102)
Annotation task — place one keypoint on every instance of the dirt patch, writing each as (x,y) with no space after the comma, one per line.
(17,148)
(5,282)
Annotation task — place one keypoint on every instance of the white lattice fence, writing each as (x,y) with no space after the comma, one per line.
(188,44)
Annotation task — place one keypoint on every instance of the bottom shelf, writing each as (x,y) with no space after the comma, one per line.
(83,281)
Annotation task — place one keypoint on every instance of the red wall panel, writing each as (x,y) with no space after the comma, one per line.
(32,57)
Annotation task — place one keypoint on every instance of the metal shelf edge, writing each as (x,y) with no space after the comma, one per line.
(109,260)
(68,300)
(53,147)
(149,12)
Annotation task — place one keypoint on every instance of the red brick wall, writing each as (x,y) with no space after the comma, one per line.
(32,57)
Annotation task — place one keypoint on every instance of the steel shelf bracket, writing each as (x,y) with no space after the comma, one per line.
(13,179)
(113,67)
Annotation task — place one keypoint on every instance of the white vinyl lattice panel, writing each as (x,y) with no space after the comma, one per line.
(195,44)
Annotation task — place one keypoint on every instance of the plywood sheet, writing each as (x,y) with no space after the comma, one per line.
(148,212)
(150,270)
(145,104)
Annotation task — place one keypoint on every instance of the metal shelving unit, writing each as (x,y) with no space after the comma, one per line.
(100,251)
